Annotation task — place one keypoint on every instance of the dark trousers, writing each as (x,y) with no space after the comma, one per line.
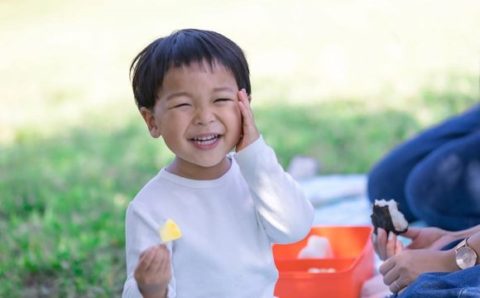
(462,283)
(435,176)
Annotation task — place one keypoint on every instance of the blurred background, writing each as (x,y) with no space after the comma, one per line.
(341,81)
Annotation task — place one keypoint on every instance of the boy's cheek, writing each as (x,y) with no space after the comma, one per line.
(239,131)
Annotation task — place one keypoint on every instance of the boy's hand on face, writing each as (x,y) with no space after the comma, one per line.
(153,271)
(249,131)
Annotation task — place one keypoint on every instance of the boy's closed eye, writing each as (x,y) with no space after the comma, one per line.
(222,100)
(179,105)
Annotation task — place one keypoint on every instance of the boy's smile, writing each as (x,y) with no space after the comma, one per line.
(206,141)
(197,114)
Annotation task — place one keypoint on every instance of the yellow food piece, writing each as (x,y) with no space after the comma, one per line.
(169,231)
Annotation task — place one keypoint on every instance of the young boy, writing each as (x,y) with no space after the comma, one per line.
(192,89)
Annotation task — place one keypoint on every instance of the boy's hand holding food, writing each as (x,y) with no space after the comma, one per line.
(153,271)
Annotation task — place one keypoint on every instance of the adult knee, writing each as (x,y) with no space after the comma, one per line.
(428,190)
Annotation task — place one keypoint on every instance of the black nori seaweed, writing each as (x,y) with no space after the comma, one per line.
(381,218)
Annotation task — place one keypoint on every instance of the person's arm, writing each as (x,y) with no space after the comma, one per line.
(466,233)
(282,208)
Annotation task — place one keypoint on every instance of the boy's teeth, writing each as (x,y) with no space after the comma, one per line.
(205,138)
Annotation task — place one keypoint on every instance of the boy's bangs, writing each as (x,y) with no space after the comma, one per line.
(187,50)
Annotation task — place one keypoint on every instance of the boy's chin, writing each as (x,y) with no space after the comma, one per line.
(201,163)
(211,164)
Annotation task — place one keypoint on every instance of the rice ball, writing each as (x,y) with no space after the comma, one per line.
(386,215)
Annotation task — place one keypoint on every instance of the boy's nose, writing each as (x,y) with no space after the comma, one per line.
(204,116)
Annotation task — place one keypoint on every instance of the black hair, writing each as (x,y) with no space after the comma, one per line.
(182,48)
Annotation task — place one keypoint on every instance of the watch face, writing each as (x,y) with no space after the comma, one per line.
(466,257)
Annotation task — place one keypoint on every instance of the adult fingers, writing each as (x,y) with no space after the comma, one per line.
(399,247)
(380,243)
(390,276)
(374,240)
(395,286)
(387,266)
(391,244)
(412,233)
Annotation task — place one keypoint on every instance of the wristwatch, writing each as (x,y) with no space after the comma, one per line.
(465,256)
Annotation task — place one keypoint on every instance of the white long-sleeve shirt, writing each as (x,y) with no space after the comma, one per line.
(228,226)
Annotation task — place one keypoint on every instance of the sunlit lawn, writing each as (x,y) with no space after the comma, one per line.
(341,81)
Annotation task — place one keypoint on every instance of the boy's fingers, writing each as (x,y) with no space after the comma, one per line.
(165,263)
(143,253)
(249,130)
(161,260)
(244,96)
(146,257)
(149,256)
(246,113)
(152,261)
(244,104)
(241,96)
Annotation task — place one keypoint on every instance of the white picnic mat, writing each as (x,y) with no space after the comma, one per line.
(338,199)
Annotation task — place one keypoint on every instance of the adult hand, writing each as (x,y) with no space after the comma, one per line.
(400,270)
(249,130)
(153,271)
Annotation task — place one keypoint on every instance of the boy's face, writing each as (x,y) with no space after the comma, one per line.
(197,114)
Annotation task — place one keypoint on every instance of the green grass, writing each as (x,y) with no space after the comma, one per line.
(341,81)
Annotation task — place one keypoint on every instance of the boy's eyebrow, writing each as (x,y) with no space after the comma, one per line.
(176,94)
(223,89)
(182,93)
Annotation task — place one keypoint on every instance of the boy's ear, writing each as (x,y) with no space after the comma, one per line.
(149,118)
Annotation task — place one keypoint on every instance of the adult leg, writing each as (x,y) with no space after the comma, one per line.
(444,189)
(387,179)
(462,283)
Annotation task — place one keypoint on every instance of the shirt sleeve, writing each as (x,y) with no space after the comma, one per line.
(140,234)
(282,207)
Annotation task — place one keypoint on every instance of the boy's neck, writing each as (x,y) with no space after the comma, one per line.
(196,172)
